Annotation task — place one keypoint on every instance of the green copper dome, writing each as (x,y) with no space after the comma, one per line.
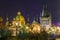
(17,17)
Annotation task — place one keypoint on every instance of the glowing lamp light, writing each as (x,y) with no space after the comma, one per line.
(16,24)
(27,27)
(38,29)
(30,29)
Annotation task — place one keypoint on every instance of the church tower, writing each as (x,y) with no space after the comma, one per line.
(45,19)
(28,20)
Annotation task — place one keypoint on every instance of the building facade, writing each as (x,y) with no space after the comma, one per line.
(45,19)
(17,23)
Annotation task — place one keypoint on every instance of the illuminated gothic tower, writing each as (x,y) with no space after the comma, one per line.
(45,19)
(1,20)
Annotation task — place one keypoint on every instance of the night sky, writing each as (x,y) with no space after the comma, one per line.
(32,8)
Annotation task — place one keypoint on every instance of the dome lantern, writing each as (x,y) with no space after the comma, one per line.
(18,13)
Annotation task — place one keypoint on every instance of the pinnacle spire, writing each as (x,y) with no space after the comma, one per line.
(34,21)
(28,18)
(37,18)
(44,10)
(7,18)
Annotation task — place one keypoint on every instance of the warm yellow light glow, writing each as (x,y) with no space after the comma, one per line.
(30,30)
(36,28)
(52,30)
(27,27)
(18,13)
(16,24)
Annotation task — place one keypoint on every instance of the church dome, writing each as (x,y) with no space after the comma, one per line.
(19,17)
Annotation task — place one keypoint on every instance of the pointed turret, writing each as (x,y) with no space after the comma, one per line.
(7,18)
(45,19)
(37,18)
(45,12)
(28,18)
(7,23)
(34,21)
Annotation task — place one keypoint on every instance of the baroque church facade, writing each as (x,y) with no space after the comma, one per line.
(17,23)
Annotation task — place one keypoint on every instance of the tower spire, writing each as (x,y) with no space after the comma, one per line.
(37,18)
(28,18)
(7,18)
(45,19)
(34,21)
(44,10)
